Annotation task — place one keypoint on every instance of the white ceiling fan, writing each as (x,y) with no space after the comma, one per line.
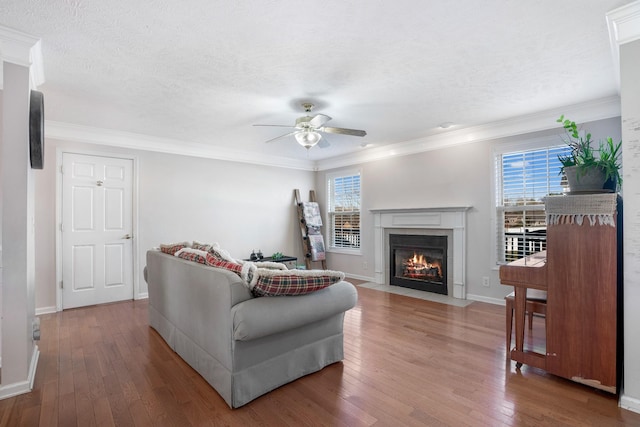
(308,130)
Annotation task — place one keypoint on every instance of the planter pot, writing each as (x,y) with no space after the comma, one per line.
(611,185)
(591,179)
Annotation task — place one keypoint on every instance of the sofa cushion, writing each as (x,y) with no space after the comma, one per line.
(260,317)
(268,282)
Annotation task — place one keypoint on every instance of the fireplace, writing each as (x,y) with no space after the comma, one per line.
(450,221)
(418,262)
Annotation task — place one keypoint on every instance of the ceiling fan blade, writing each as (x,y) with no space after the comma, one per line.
(282,136)
(318,120)
(278,126)
(342,131)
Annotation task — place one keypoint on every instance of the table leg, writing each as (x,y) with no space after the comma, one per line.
(520,307)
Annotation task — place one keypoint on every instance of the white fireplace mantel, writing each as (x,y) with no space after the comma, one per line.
(441,218)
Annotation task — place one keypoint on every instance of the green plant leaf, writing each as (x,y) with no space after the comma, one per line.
(583,155)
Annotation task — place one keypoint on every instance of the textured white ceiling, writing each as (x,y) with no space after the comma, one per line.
(204,71)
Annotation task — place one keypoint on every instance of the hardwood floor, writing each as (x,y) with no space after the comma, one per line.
(407,362)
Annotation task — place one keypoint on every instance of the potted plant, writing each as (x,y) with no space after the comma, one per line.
(586,168)
(609,161)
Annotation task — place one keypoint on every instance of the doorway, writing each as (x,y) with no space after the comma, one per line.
(96,230)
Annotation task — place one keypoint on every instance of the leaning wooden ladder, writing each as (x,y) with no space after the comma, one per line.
(310,230)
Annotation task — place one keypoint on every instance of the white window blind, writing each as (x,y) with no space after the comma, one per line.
(523,179)
(344,211)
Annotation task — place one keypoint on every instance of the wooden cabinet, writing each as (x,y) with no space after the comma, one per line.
(582,272)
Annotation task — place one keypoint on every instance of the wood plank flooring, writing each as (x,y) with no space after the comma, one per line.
(407,362)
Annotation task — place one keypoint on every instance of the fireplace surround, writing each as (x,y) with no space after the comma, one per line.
(448,221)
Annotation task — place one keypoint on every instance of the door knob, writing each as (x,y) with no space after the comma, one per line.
(99,183)
(128,236)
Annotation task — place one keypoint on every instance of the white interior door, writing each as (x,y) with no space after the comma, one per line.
(97,255)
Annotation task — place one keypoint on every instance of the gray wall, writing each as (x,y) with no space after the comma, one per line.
(245,207)
(241,206)
(456,176)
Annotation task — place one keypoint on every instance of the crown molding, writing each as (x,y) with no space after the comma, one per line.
(15,46)
(624,27)
(599,109)
(36,71)
(585,112)
(23,49)
(92,135)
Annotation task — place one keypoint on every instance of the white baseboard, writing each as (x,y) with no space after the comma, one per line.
(496,301)
(15,389)
(630,403)
(48,310)
(357,276)
(45,310)
(22,387)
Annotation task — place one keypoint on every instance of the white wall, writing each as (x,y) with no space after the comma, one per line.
(1,120)
(241,206)
(455,176)
(245,207)
(17,233)
(630,98)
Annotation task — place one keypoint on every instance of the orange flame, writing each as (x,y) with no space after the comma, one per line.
(418,266)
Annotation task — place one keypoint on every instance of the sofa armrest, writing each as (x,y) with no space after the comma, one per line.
(260,317)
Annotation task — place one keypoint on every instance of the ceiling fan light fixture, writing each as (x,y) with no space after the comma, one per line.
(308,138)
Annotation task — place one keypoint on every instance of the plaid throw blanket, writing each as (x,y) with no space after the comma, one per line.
(263,278)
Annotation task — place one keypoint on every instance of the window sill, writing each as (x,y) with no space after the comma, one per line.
(344,251)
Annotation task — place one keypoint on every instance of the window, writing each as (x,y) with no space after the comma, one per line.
(523,179)
(344,211)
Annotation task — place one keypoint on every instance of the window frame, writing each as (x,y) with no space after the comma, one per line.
(330,178)
(498,150)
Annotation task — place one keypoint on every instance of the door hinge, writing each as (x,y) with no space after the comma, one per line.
(61,169)
(61,284)
(61,227)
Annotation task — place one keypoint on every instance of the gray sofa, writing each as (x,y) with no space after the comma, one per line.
(243,346)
